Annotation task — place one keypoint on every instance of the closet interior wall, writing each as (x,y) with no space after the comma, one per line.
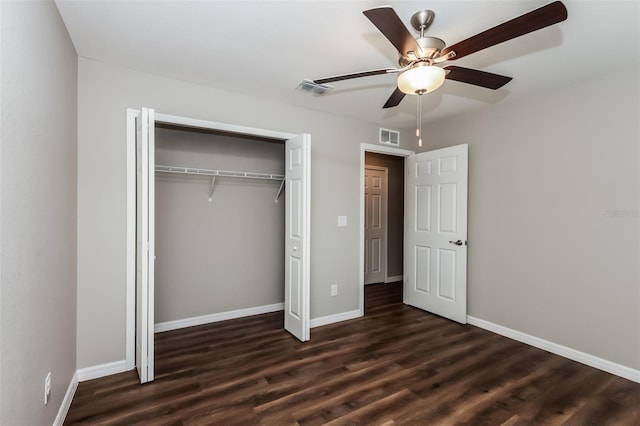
(220,255)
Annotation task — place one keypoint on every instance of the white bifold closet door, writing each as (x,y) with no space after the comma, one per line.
(297,276)
(145,257)
(436,232)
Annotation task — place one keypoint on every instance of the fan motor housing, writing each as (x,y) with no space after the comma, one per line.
(431,48)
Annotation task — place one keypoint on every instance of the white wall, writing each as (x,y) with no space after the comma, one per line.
(105,92)
(547,254)
(224,254)
(38,211)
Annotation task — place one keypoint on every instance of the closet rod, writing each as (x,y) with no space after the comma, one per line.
(221,173)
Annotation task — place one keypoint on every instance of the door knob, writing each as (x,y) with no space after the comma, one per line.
(295,248)
(458,243)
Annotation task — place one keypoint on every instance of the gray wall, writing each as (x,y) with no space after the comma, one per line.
(547,175)
(544,258)
(225,254)
(38,211)
(104,93)
(395,211)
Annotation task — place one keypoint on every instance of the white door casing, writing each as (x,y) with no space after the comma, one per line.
(436,232)
(375,224)
(145,257)
(297,244)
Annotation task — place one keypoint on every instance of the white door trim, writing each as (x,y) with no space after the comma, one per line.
(130,268)
(130,279)
(223,127)
(367,147)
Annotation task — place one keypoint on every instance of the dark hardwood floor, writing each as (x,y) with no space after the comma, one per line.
(395,366)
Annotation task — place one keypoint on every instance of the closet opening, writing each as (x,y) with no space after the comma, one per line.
(219,226)
(216,202)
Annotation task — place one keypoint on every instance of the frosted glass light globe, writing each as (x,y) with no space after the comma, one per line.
(421,79)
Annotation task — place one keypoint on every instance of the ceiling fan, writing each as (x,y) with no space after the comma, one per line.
(420,57)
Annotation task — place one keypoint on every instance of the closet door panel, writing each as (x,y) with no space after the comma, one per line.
(145,202)
(297,278)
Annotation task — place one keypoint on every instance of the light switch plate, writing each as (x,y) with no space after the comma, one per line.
(342,221)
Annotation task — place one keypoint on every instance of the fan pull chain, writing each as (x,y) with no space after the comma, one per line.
(419,124)
(418,118)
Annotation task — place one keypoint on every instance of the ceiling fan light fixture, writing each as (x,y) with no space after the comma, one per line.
(420,79)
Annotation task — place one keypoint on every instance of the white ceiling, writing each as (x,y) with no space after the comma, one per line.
(266,48)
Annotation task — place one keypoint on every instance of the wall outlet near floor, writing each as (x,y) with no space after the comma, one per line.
(334,289)
(47,388)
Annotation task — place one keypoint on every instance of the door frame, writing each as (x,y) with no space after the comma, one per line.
(379,149)
(130,279)
(385,207)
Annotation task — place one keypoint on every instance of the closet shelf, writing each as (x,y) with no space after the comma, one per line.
(220,173)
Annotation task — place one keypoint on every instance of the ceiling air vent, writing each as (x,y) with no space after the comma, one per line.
(389,137)
(309,86)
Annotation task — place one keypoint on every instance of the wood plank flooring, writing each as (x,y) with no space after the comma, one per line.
(395,366)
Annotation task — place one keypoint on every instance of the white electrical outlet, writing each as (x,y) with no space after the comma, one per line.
(334,289)
(47,388)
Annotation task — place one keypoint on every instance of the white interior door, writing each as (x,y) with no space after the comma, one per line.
(436,232)
(297,275)
(145,202)
(375,224)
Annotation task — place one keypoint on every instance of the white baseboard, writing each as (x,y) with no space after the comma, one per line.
(66,402)
(575,355)
(393,279)
(222,316)
(101,370)
(330,319)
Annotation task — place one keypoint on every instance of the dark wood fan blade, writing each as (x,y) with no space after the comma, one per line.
(354,75)
(537,19)
(390,25)
(394,100)
(477,78)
